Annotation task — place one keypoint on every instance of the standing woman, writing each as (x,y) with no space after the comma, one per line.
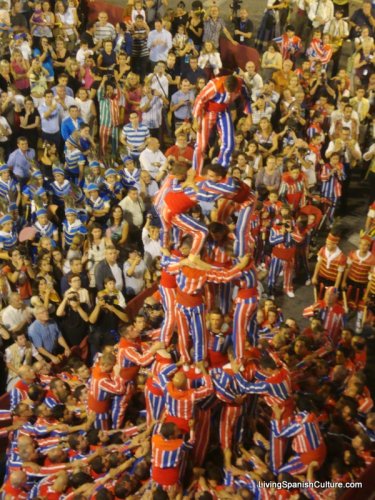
(6,77)
(107,58)
(44,52)
(48,158)
(60,56)
(74,74)
(133,96)
(49,18)
(270,26)
(95,247)
(271,61)
(66,23)
(118,227)
(194,28)
(19,66)
(210,60)
(122,68)
(30,123)
(266,138)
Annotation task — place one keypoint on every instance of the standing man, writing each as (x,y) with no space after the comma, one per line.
(140,54)
(212,108)
(182,103)
(330,266)
(243,28)
(103,30)
(109,111)
(46,336)
(21,161)
(134,136)
(159,43)
(213,26)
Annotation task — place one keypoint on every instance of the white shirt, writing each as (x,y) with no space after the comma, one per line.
(68,101)
(149,161)
(135,208)
(253,83)
(116,271)
(11,316)
(6,127)
(8,356)
(346,152)
(160,83)
(324,10)
(136,281)
(151,247)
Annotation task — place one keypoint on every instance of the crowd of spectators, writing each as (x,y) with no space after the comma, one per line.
(207,390)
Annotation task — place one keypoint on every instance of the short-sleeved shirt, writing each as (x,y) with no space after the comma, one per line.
(44,335)
(212,30)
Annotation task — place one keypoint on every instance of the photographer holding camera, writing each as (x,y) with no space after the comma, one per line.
(73,318)
(105,320)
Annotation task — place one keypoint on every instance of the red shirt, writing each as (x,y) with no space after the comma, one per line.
(178,153)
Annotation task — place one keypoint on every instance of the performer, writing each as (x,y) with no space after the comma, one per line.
(168,453)
(330,266)
(180,401)
(227,390)
(308,443)
(130,357)
(330,312)
(283,238)
(293,188)
(167,289)
(105,382)
(356,274)
(212,108)
(289,43)
(332,176)
(191,279)
(246,304)
(274,383)
(178,195)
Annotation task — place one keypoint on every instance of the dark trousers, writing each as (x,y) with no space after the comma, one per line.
(140,66)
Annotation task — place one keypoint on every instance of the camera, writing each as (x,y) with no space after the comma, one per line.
(108,299)
(236,5)
(73,297)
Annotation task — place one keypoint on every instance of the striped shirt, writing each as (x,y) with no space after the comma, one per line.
(331,263)
(109,108)
(73,160)
(305,430)
(136,138)
(106,32)
(60,191)
(139,48)
(331,178)
(70,230)
(9,189)
(167,453)
(153,117)
(192,281)
(360,267)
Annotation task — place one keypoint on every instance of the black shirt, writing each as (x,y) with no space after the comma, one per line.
(72,326)
(88,38)
(244,26)
(18,20)
(193,76)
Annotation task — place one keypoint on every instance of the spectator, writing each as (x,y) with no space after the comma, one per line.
(159,43)
(46,336)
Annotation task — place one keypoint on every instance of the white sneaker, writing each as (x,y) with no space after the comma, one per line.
(308,282)
(290,295)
